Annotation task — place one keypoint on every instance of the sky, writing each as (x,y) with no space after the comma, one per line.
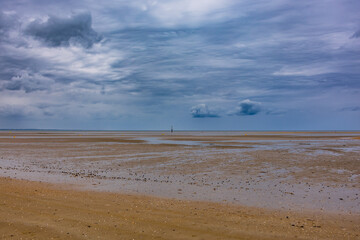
(196,65)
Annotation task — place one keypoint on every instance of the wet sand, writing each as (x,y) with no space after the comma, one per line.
(249,180)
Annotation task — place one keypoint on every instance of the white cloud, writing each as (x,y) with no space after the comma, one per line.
(202,111)
(189,12)
(307,70)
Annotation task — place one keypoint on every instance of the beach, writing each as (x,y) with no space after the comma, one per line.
(185,185)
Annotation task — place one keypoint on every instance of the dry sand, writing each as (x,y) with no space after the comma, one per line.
(200,185)
(31,210)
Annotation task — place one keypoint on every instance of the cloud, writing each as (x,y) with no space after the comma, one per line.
(202,111)
(56,32)
(28,82)
(352,109)
(4,22)
(160,54)
(247,107)
(12,111)
(275,112)
(188,12)
(356,34)
(8,22)
(307,70)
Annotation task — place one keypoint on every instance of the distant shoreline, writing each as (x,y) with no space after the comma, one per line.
(167,130)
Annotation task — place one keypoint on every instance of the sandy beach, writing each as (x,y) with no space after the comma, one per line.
(188,185)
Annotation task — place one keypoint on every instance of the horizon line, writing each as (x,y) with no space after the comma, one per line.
(180,130)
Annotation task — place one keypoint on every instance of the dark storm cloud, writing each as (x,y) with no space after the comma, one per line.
(202,111)
(247,107)
(57,31)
